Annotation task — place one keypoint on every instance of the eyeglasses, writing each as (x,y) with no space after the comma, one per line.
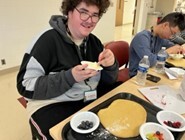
(172,33)
(85,16)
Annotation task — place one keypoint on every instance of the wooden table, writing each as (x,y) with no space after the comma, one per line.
(130,87)
(178,63)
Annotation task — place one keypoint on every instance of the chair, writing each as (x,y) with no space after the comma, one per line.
(22,101)
(121,51)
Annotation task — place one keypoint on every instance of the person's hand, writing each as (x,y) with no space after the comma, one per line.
(183,47)
(106,58)
(80,73)
(175,49)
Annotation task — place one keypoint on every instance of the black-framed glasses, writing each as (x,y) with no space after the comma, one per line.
(85,16)
(172,33)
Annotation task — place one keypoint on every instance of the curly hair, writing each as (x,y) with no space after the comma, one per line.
(69,5)
(175,19)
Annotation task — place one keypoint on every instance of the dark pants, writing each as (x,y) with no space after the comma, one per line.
(46,117)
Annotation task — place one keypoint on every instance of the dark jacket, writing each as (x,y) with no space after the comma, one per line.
(45,72)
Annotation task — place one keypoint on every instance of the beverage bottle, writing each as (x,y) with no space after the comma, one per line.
(161,59)
(144,65)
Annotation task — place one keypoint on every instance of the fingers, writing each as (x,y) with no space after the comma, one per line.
(81,67)
(183,50)
(106,58)
(175,49)
(179,49)
(80,73)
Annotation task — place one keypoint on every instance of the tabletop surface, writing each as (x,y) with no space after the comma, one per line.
(178,63)
(130,87)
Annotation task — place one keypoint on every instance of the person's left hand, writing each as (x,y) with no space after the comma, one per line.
(106,58)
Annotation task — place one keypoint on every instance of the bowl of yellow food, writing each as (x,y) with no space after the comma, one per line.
(176,56)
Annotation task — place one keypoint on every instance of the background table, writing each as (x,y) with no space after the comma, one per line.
(178,63)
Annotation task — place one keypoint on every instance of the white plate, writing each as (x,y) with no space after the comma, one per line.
(179,71)
(92,65)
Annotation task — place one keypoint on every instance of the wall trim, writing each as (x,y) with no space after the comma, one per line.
(9,70)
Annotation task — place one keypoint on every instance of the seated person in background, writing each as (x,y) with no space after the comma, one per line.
(178,38)
(51,76)
(150,42)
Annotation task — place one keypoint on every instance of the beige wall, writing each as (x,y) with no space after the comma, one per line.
(105,27)
(21,20)
(165,6)
(142,9)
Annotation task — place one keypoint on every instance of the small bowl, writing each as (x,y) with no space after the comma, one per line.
(84,116)
(173,117)
(176,56)
(151,127)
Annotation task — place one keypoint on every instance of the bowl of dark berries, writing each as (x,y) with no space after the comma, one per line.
(154,131)
(84,122)
(171,120)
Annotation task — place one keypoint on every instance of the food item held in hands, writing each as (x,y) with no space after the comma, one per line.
(173,124)
(123,118)
(155,136)
(92,65)
(85,125)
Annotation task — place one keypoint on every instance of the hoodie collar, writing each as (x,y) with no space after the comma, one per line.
(58,22)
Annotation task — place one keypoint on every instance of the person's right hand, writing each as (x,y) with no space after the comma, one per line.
(175,49)
(183,47)
(80,73)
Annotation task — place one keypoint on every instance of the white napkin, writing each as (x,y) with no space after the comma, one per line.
(182,88)
(171,74)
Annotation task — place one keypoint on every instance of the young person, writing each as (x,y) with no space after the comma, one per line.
(51,76)
(149,42)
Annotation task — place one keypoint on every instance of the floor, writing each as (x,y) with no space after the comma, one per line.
(13,119)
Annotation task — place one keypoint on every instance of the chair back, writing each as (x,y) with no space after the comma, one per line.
(22,101)
(121,51)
